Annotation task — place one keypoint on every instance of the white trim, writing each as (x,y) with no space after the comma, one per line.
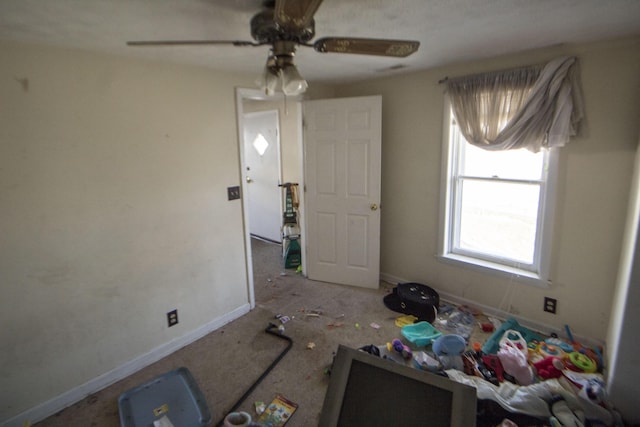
(301,188)
(98,383)
(240,95)
(477,264)
(445,176)
(548,214)
(542,328)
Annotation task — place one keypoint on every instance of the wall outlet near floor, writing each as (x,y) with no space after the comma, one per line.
(172,318)
(550,305)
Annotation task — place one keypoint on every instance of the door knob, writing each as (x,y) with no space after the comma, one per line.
(249,180)
(374,207)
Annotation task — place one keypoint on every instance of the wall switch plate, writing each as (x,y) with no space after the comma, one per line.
(550,305)
(172,318)
(233,193)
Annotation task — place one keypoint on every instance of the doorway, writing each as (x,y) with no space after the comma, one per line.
(344,148)
(248,102)
(263,174)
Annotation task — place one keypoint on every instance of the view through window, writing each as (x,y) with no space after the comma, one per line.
(496,203)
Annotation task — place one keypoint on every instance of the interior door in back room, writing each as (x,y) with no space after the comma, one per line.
(342,143)
(262,174)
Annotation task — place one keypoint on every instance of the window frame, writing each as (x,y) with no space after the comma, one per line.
(536,273)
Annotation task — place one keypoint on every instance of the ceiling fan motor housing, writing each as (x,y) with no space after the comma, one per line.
(265,30)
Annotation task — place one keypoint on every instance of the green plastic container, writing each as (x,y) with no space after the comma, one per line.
(292,254)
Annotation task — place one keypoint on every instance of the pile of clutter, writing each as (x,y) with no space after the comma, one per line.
(552,378)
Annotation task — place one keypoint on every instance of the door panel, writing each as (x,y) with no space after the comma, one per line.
(342,140)
(262,174)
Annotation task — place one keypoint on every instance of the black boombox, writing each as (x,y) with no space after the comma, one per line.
(415,299)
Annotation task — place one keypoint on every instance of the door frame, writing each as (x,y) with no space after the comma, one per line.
(258,95)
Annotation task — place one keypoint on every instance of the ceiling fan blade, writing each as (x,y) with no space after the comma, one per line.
(362,46)
(191,43)
(295,14)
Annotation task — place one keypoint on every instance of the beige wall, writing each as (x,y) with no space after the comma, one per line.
(592,195)
(113,211)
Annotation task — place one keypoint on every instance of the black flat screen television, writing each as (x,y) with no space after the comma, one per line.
(366,390)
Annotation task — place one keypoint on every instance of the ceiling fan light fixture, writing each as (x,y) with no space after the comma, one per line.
(292,82)
(269,79)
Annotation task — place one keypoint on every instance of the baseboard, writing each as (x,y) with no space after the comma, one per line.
(76,394)
(534,325)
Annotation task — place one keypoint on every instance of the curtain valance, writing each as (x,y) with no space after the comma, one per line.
(531,107)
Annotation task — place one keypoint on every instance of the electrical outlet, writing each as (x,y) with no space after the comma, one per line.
(550,305)
(172,318)
(233,193)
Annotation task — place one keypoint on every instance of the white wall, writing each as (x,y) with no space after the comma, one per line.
(113,211)
(624,346)
(593,187)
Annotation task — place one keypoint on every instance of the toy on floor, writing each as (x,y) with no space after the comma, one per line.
(580,363)
(516,340)
(449,349)
(421,334)
(449,345)
(422,360)
(557,342)
(549,367)
(514,362)
(397,346)
(474,366)
(547,350)
(493,362)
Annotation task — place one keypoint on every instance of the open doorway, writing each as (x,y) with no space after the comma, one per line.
(263,174)
(251,102)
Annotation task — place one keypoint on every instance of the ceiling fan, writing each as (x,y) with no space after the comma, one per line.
(286,24)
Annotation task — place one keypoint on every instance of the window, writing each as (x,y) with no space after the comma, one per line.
(496,210)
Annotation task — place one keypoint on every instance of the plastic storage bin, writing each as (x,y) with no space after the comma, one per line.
(174,395)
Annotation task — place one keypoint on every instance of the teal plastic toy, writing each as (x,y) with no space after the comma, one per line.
(420,334)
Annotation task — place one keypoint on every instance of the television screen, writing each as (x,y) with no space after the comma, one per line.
(366,390)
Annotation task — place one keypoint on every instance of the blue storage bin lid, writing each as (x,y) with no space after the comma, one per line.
(174,395)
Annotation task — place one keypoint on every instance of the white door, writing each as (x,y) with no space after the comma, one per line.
(342,141)
(262,174)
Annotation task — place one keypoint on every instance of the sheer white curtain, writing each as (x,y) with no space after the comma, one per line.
(533,108)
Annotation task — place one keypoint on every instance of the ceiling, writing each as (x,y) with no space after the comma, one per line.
(449,30)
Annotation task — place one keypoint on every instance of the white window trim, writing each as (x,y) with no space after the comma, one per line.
(539,277)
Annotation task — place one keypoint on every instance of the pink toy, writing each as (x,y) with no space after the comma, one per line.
(515,363)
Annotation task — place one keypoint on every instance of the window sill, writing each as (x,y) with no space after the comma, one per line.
(519,275)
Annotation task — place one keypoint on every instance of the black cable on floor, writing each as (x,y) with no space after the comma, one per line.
(273,330)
